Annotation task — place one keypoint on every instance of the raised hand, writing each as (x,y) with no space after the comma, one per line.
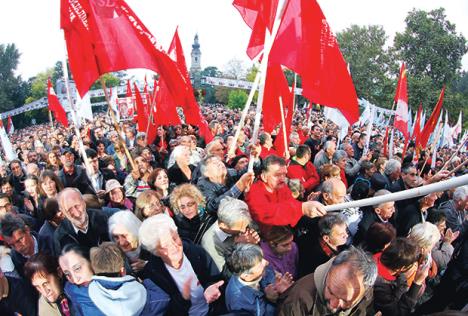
(212,293)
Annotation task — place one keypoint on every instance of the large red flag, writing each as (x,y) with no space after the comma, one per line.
(417,124)
(401,100)
(166,113)
(276,86)
(141,110)
(193,115)
(106,36)
(259,15)
(306,45)
(55,106)
(431,123)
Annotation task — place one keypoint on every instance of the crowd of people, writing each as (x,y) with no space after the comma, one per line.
(182,227)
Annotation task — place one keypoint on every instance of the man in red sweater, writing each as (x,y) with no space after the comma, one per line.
(270,200)
(301,168)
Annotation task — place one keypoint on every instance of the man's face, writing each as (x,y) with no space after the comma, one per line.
(256,272)
(331,150)
(275,176)
(170,249)
(215,168)
(74,209)
(317,132)
(386,210)
(48,285)
(68,159)
(16,169)
(94,162)
(338,236)
(242,164)
(343,289)
(21,241)
(217,150)
(410,178)
(142,164)
(460,205)
(238,227)
(7,189)
(32,157)
(337,195)
(349,151)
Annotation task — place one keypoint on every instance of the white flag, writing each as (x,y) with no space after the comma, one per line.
(447,133)
(83,107)
(336,117)
(113,102)
(10,154)
(456,130)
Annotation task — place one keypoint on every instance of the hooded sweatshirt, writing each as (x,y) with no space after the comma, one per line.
(118,295)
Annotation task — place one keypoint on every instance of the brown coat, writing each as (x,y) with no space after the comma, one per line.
(305,297)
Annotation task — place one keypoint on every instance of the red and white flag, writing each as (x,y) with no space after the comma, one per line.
(55,106)
(401,100)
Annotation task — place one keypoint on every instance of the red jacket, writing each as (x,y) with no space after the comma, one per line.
(307,174)
(277,208)
(267,152)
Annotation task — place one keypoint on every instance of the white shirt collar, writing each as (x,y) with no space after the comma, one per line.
(220,234)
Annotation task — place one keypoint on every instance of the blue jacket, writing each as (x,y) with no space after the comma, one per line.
(240,297)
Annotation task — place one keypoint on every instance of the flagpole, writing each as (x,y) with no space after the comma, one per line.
(152,104)
(433,146)
(286,147)
(116,125)
(269,38)
(402,195)
(455,153)
(73,113)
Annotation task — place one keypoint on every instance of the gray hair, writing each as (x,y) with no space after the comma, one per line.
(327,186)
(126,219)
(338,155)
(327,222)
(204,163)
(243,258)
(210,145)
(232,210)
(380,193)
(424,234)
(360,262)
(176,153)
(328,144)
(460,193)
(153,228)
(392,166)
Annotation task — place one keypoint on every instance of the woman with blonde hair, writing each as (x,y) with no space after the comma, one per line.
(192,220)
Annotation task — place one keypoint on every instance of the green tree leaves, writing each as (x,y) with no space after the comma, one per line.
(237,99)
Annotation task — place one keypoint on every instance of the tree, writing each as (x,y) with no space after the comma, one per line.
(13,89)
(237,99)
(110,79)
(222,94)
(371,65)
(234,69)
(211,71)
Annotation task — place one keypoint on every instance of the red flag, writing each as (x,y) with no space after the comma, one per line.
(129,89)
(288,110)
(106,36)
(55,106)
(432,122)
(401,99)
(276,86)
(193,115)
(142,111)
(306,45)
(166,113)
(385,143)
(417,124)
(259,15)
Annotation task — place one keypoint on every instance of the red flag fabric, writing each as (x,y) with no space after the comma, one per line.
(166,111)
(259,15)
(276,86)
(417,124)
(193,115)
(288,109)
(401,100)
(385,143)
(306,45)
(106,36)
(129,89)
(432,122)
(142,111)
(55,106)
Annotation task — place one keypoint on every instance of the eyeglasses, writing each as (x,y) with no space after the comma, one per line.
(189,204)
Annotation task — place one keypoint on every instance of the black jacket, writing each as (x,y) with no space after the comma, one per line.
(193,229)
(21,300)
(202,264)
(408,216)
(369,217)
(176,176)
(79,179)
(96,234)
(19,260)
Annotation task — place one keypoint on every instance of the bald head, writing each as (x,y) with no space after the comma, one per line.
(333,191)
(73,206)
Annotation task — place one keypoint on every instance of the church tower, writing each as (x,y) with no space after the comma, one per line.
(196,56)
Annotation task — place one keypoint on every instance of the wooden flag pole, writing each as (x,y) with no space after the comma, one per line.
(283,122)
(152,104)
(459,167)
(50,119)
(117,126)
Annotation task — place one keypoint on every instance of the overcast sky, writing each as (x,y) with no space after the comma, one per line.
(33,25)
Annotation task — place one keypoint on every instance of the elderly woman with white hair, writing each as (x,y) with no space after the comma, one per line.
(253,287)
(181,171)
(183,270)
(123,230)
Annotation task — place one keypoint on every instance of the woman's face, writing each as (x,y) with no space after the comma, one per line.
(49,187)
(161,181)
(184,157)
(188,207)
(101,148)
(76,269)
(31,186)
(154,207)
(124,239)
(116,195)
(52,159)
